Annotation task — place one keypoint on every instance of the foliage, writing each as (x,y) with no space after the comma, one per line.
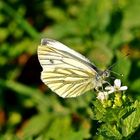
(104,31)
(119,122)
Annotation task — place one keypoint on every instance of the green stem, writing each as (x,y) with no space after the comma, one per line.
(19,19)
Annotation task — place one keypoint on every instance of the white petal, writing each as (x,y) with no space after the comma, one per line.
(109,88)
(111,91)
(117,82)
(102,95)
(124,88)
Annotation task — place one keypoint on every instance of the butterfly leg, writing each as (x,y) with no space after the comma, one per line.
(97,89)
(106,82)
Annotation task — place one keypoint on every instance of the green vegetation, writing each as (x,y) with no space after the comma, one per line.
(105,31)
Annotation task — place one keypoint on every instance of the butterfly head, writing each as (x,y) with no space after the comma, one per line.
(100,78)
(102,75)
(105,74)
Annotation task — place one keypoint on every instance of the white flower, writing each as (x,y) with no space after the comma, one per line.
(102,96)
(117,87)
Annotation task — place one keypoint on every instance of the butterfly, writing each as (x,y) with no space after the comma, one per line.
(67,72)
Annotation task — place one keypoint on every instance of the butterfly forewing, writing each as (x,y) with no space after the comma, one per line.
(66,72)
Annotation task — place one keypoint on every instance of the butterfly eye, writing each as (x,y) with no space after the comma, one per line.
(106,73)
(98,77)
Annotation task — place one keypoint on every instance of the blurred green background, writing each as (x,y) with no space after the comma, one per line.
(105,31)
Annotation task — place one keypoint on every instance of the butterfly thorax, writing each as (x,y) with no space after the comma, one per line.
(100,78)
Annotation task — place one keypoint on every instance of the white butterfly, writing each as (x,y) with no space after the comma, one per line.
(66,72)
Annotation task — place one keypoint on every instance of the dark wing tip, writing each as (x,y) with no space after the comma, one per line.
(45,41)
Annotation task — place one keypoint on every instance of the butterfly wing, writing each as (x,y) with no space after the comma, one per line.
(66,72)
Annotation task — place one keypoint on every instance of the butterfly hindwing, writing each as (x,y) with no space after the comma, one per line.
(66,72)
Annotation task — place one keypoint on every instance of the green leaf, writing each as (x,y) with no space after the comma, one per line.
(114,114)
(110,131)
(132,122)
(61,128)
(36,124)
(98,110)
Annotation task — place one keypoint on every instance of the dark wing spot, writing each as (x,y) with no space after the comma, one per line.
(45,41)
(51,61)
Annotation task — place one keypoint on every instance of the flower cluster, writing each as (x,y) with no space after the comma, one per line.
(117,88)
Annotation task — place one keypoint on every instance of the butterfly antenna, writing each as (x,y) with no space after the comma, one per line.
(112,77)
(117,73)
(110,67)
